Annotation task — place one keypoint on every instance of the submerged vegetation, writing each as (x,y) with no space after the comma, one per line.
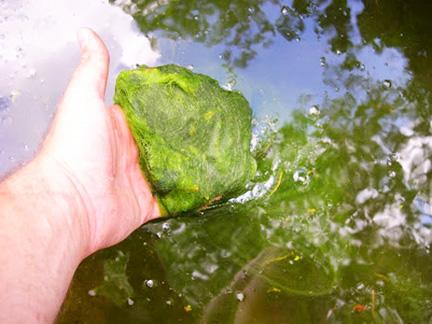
(193,136)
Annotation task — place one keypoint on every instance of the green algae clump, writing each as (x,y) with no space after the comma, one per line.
(193,136)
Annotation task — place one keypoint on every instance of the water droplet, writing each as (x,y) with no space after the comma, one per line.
(195,17)
(130,301)
(251,10)
(314,110)
(229,85)
(362,67)
(284,11)
(323,61)
(169,302)
(240,296)
(92,293)
(392,174)
(338,52)
(387,83)
(190,67)
(149,283)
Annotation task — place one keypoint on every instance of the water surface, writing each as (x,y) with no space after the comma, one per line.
(339,227)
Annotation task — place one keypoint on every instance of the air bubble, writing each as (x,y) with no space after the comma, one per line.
(284,11)
(166,226)
(300,176)
(149,283)
(240,296)
(323,61)
(314,110)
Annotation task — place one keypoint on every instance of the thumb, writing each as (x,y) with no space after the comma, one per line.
(90,77)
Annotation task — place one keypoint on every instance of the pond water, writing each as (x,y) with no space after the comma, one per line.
(338,225)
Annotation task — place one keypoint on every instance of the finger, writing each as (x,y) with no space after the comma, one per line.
(90,77)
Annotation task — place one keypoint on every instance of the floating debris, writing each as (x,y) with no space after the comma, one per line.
(273,289)
(359,308)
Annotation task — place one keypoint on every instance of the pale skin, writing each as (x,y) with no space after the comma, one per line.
(83,191)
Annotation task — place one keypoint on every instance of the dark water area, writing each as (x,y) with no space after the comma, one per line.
(337,226)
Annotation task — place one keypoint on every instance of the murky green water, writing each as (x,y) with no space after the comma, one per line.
(339,227)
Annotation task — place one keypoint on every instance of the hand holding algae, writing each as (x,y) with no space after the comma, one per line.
(193,136)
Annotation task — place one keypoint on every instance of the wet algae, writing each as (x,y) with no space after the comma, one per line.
(193,136)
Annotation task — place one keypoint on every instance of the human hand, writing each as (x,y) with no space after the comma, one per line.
(82,192)
(90,151)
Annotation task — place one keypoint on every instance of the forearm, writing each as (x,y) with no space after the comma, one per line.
(40,242)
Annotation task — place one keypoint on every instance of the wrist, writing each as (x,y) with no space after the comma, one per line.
(50,205)
(41,240)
